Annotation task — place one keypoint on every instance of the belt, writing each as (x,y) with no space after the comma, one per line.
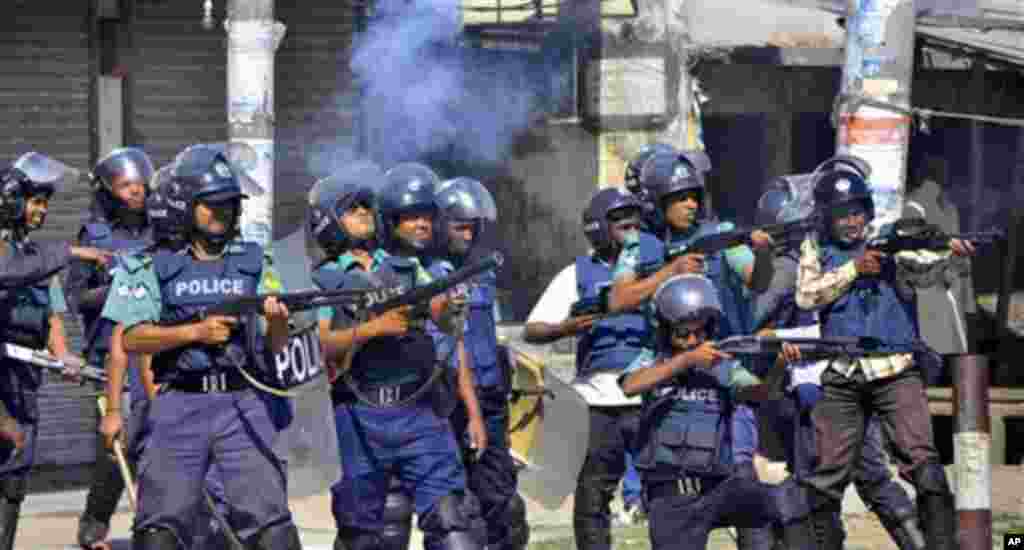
(217,382)
(378,395)
(687,486)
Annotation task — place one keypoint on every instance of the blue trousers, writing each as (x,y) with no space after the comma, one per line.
(411,443)
(192,433)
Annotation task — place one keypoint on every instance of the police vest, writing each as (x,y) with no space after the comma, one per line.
(737,318)
(481,338)
(391,360)
(687,428)
(871,307)
(612,342)
(100,234)
(187,288)
(25,314)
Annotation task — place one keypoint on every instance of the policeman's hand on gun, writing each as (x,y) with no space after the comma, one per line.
(869,263)
(274,310)
(213,330)
(706,356)
(760,240)
(688,263)
(90,254)
(961,247)
(575,325)
(393,322)
(790,354)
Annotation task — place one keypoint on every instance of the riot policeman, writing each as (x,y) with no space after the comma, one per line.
(30,316)
(684,449)
(605,347)
(775,311)
(206,414)
(860,292)
(392,399)
(466,209)
(19,269)
(117,222)
(343,229)
(676,184)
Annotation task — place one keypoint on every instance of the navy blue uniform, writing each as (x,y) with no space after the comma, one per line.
(387,431)
(207,416)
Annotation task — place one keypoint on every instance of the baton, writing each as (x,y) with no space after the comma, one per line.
(122,462)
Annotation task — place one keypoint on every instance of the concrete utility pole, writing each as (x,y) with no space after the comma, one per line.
(253,38)
(879,65)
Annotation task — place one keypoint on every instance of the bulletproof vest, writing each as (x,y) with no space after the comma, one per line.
(25,314)
(737,318)
(871,307)
(481,338)
(392,360)
(101,234)
(686,427)
(187,288)
(612,342)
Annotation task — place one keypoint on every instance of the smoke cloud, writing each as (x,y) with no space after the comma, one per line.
(425,94)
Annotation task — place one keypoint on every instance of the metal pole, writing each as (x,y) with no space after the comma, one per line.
(879,64)
(253,38)
(972,441)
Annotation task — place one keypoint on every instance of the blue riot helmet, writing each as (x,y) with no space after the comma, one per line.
(686,298)
(849,163)
(463,200)
(410,188)
(129,164)
(840,187)
(33,174)
(636,164)
(206,176)
(664,175)
(13,185)
(596,222)
(167,209)
(332,196)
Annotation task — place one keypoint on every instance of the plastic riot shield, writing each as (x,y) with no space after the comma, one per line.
(549,427)
(309,444)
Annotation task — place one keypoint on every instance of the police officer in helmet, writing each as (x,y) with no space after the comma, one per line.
(676,185)
(117,222)
(343,228)
(859,292)
(605,347)
(18,268)
(685,452)
(30,316)
(391,402)
(466,209)
(207,415)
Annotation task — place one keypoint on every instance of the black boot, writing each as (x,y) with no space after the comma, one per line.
(935,506)
(906,534)
(938,520)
